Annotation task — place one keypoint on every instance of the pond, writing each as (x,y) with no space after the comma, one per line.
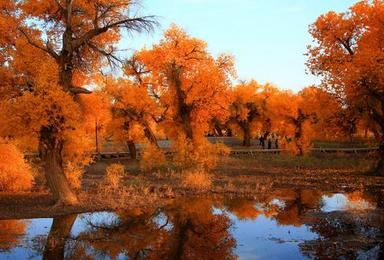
(281,224)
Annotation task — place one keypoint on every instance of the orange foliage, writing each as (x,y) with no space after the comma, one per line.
(133,111)
(151,158)
(347,54)
(114,174)
(15,173)
(246,110)
(197,179)
(189,82)
(203,155)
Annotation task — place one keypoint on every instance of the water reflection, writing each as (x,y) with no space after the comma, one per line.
(289,223)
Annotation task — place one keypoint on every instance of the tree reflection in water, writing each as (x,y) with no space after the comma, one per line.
(201,228)
(187,229)
(11,232)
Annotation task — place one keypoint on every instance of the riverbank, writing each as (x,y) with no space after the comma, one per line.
(243,177)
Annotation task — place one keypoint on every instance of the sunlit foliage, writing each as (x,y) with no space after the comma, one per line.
(15,173)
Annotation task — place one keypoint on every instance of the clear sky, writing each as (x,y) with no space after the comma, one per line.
(268,38)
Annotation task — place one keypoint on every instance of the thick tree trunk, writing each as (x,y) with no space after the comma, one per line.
(217,128)
(59,233)
(299,121)
(181,239)
(183,110)
(149,134)
(246,136)
(51,155)
(132,149)
(187,125)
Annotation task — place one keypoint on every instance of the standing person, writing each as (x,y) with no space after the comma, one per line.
(262,141)
(276,141)
(269,139)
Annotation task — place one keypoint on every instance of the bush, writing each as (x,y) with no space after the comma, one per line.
(73,175)
(114,174)
(15,173)
(200,155)
(151,158)
(197,179)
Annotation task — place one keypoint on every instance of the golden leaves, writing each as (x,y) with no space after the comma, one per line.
(15,173)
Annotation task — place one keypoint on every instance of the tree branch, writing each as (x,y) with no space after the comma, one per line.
(135,24)
(46,49)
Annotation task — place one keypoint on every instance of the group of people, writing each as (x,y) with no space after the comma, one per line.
(269,140)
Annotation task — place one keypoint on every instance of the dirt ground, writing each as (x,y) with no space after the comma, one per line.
(237,176)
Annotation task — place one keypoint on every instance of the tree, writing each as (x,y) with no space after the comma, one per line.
(246,109)
(96,109)
(348,55)
(290,120)
(301,117)
(75,37)
(189,82)
(134,107)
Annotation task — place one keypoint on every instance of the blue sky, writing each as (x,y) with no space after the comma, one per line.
(268,38)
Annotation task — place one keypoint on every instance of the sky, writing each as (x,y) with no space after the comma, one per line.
(268,38)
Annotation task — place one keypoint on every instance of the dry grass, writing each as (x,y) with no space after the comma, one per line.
(152,158)
(114,174)
(196,179)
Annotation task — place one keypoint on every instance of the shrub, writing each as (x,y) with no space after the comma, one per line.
(196,179)
(15,173)
(200,155)
(114,174)
(73,174)
(151,158)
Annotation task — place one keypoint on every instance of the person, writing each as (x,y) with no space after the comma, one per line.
(276,142)
(269,139)
(261,141)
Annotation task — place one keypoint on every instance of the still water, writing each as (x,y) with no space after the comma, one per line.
(284,224)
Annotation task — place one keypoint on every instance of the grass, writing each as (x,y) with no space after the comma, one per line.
(122,188)
(253,174)
(344,144)
(318,161)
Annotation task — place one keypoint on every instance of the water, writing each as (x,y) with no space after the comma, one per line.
(284,224)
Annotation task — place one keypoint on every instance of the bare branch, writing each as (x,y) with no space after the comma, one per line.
(78,90)
(132,24)
(112,59)
(346,45)
(46,48)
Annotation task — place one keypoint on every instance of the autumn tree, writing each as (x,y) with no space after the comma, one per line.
(348,55)
(136,108)
(74,37)
(96,108)
(245,109)
(299,118)
(189,82)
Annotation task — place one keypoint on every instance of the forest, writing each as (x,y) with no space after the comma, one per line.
(87,127)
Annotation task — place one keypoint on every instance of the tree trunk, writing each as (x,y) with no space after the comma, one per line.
(132,149)
(60,231)
(181,239)
(187,125)
(184,110)
(380,165)
(218,130)
(51,155)
(246,136)
(149,134)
